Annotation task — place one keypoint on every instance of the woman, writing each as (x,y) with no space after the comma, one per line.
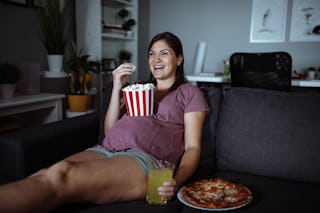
(117,169)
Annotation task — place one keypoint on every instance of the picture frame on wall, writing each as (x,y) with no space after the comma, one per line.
(268,21)
(305,20)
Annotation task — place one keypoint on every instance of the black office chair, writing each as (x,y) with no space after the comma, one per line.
(269,70)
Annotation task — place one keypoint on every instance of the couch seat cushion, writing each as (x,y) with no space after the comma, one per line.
(273,194)
(140,206)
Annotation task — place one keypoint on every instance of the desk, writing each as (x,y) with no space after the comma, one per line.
(27,103)
(211,78)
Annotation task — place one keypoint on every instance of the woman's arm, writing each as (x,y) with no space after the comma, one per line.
(193,122)
(120,76)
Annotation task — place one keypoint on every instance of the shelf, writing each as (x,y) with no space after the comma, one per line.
(116,36)
(117,3)
(99,32)
(52,74)
(71,114)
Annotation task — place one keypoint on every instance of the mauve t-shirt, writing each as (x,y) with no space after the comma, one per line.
(161,135)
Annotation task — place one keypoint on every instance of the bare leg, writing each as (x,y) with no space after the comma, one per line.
(99,180)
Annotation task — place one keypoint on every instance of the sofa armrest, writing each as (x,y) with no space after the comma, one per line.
(27,150)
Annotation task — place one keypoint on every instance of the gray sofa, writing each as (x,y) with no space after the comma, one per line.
(267,140)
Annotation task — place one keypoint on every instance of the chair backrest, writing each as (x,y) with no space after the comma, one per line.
(269,70)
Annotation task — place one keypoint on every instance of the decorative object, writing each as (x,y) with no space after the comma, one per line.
(55,63)
(201,54)
(305,20)
(52,23)
(78,103)
(79,69)
(226,64)
(9,76)
(125,56)
(268,21)
(127,23)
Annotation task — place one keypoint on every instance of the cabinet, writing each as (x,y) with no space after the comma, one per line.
(92,17)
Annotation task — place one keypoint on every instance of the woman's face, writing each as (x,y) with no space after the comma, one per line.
(163,61)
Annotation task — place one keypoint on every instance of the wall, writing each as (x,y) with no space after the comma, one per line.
(143,38)
(225,26)
(20,38)
(20,33)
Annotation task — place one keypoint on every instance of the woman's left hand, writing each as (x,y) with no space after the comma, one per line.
(168,190)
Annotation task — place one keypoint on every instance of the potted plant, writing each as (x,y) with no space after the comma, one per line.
(127,23)
(9,75)
(125,56)
(52,24)
(79,69)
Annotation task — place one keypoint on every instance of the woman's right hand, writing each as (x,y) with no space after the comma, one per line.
(121,74)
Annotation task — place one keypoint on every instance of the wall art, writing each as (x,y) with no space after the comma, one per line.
(268,20)
(305,20)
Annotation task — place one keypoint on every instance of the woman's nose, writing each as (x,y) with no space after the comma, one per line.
(157,57)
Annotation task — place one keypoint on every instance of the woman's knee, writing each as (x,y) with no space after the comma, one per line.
(58,174)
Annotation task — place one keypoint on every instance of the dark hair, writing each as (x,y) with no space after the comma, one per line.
(174,43)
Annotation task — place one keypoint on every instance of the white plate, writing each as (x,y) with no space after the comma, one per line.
(180,197)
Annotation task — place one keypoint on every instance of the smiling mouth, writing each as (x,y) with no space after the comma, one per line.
(157,67)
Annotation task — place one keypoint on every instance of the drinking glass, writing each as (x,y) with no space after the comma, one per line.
(156,177)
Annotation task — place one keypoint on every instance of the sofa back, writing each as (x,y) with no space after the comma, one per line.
(213,97)
(270,133)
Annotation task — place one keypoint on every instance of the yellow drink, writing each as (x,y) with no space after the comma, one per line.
(156,177)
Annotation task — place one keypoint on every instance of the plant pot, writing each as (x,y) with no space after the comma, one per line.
(55,63)
(78,103)
(7,91)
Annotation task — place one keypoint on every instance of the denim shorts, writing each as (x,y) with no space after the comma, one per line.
(143,160)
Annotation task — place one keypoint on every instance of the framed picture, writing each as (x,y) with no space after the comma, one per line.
(19,2)
(305,20)
(109,64)
(268,20)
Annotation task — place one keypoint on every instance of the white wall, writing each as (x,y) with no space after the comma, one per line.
(225,26)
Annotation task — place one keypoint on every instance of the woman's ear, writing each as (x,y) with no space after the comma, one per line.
(179,60)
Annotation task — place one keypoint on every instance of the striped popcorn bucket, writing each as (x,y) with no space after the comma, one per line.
(139,102)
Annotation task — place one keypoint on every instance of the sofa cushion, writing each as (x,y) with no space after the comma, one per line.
(213,96)
(140,206)
(273,194)
(270,133)
(27,150)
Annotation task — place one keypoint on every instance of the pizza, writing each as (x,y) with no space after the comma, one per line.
(216,193)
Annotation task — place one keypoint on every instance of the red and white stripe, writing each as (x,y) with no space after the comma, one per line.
(139,102)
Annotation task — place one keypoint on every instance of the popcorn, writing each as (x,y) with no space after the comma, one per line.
(147,86)
(139,99)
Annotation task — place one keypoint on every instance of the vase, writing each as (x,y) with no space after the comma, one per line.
(7,90)
(55,63)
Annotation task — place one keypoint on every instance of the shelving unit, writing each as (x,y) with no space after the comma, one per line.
(91,17)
